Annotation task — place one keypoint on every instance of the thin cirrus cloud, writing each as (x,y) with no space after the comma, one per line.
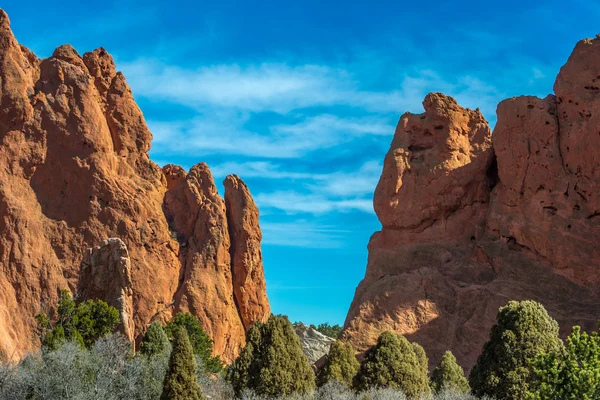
(228,135)
(275,87)
(302,233)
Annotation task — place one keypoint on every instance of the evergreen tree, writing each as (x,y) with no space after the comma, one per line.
(201,342)
(180,381)
(340,365)
(83,323)
(155,341)
(448,375)
(523,332)
(393,363)
(570,373)
(422,357)
(272,363)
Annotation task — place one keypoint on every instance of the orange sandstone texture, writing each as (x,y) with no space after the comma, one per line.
(75,172)
(472,219)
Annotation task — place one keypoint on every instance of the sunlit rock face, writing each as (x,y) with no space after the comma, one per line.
(75,172)
(471,219)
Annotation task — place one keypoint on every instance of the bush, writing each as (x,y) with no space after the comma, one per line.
(381,394)
(570,373)
(155,341)
(449,376)
(272,363)
(214,386)
(393,363)
(422,357)
(340,365)
(181,382)
(523,332)
(201,342)
(107,371)
(83,323)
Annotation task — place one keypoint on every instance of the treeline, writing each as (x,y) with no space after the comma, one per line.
(81,359)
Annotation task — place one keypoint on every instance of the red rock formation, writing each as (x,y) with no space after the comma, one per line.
(471,219)
(76,171)
(197,216)
(106,274)
(246,256)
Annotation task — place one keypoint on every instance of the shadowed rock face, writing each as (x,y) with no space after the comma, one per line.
(75,171)
(472,219)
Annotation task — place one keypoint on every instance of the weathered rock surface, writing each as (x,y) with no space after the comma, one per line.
(246,256)
(472,219)
(314,343)
(106,274)
(74,172)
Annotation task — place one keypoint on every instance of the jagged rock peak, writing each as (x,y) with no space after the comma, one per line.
(74,147)
(246,256)
(471,220)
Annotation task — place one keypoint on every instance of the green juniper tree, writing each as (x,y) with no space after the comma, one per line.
(422,357)
(155,341)
(201,342)
(272,363)
(448,375)
(572,372)
(393,363)
(523,332)
(180,381)
(83,323)
(340,365)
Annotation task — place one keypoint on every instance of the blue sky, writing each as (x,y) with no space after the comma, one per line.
(301,99)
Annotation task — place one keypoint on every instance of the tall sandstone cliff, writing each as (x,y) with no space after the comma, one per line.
(74,171)
(471,219)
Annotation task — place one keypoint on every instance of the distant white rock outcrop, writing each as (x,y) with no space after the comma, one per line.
(314,343)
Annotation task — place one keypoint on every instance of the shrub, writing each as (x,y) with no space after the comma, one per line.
(448,376)
(155,341)
(393,363)
(83,323)
(214,386)
(378,393)
(523,332)
(107,371)
(181,382)
(422,357)
(340,365)
(570,373)
(272,363)
(201,342)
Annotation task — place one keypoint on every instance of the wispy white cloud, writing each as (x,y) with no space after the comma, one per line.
(314,193)
(294,202)
(302,233)
(228,134)
(265,87)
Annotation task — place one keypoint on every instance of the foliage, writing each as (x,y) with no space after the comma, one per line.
(201,342)
(393,363)
(106,371)
(422,357)
(155,341)
(340,365)
(332,331)
(214,386)
(272,363)
(449,376)
(83,323)
(523,332)
(570,373)
(181,382)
